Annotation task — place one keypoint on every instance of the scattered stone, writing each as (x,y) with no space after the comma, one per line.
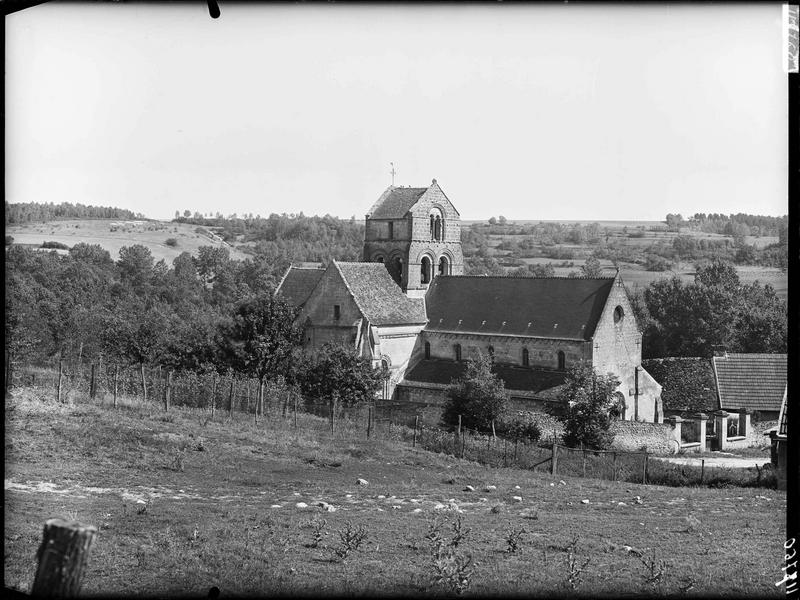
(296,494)
(348,495)
(638,500)
(414,500)
(516,487)
(483,499)
(584,501)
(417,510)
(362,482)
(552,484)
(301,505)
(381,497)
(516,498)
(439,506)
(469,488)
(621,504)
(380,510)
(326,507)
(396,507)
(275,506)
(490,488)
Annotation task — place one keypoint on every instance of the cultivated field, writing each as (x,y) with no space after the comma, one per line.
(230,504)
(114,234)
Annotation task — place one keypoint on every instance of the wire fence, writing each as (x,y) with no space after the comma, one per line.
(211,393)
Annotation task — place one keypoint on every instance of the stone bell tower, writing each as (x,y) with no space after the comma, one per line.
(416,232)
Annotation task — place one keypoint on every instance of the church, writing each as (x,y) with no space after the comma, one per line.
(409,307)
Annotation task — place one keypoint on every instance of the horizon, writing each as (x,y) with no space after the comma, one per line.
(543,112)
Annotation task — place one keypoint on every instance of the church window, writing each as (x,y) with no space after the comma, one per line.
(427,350)
(458,352)
(444,266)
(562,360)
(337,312)
(391,230)
(619,314)
(526,360)
(425,270)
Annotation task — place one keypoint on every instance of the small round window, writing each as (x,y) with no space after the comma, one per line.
(619,314)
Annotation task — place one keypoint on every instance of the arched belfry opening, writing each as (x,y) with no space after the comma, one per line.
(437,225)
(444,266)
(426,269)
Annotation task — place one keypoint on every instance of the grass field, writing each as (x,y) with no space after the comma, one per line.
(152,234)
(220,506)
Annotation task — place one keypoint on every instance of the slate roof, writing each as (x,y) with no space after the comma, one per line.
(378,296)
(547,307)
(395,202)
(688,384)
(298,283)
(754,381)
(440,371)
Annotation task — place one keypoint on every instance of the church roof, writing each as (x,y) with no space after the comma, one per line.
(378,297)
(543,382)
(547,307)
(298,283)
(395,202)
(754,381)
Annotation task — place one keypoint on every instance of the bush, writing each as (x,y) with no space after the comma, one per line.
(479,397)
(9,240)
(171,242)
(55,245)
(522,426)
(589,397)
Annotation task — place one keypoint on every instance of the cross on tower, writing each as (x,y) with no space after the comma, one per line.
(392,172)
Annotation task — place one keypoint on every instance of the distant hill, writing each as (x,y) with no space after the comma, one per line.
(33,212)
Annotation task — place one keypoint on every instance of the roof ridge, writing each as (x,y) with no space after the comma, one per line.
(511,277)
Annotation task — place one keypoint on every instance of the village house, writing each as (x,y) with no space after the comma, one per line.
(409,307)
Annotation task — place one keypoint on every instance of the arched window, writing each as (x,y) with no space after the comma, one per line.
(391,230)
(457,348)
(526,359)
(427,350)
(437,229)
(562,360)
(619,314)
(444,266)
(437,225)
(433,223)
(425,270)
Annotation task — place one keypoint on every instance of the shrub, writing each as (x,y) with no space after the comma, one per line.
(55,245)
(171,242)
(9,240)
(479,397)
(522,426)
(588,397)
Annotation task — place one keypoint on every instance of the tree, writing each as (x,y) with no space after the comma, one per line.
(592,267)
(264,336)
(588,398)
(338,373)
(492,221)
(135,266)
(479,396)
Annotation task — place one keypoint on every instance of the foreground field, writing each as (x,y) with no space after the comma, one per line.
(230,504)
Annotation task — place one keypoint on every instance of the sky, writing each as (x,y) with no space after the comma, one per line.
(531,112)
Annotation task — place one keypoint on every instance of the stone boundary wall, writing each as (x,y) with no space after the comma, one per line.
(633,436)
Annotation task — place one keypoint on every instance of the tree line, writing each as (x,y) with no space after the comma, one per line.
(31,212)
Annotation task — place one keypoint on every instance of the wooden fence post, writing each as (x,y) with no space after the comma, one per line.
(295,410)
(644,468)
(554,459)
(92,384)
(505,451)
(702,469)
(463,442)
(62,557)
(116,376)
(583,450)
(60,375)
(369,421)
(167,391)
(213,394)
(144,385)
(614,467)
(494,436)
(231,396)
(416,422)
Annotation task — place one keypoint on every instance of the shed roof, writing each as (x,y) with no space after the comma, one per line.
(377,295)
(298,283)
(547,307)
(688,384)
(440,371)
(752,381)
(395,202)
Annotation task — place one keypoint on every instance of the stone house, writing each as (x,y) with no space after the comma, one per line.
(409,306)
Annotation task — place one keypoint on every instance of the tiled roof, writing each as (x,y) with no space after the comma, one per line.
(395,202)
(380,299)
(688,384)
(298,283)
(443,372)
(754,381)
(549,307)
